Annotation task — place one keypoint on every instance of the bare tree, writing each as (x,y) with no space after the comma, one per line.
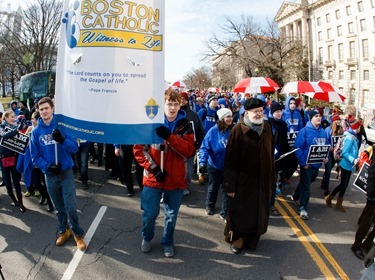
(30,44)
(246,46)
(199,78)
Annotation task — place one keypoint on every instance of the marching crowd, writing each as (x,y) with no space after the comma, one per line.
(246,147)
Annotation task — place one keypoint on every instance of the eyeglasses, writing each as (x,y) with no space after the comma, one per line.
(257,112)
(172,105)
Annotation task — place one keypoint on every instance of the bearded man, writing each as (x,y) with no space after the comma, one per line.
(248,178)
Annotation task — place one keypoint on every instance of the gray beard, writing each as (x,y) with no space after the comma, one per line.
(258,128)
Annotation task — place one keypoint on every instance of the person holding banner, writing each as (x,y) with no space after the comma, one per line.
(311,134)
(347,163)
(51,151)
(165,172)
(334,132)
(9,129)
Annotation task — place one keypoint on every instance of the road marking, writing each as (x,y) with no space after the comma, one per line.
(315,256)
(79,254)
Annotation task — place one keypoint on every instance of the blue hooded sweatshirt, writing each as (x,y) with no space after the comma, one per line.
(306,137)
(208,117)
(293,118)
(43,147)
(213,148)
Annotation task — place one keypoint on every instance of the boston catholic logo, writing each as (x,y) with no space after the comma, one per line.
(151,108)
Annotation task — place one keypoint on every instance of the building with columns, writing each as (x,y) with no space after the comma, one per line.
(340,39)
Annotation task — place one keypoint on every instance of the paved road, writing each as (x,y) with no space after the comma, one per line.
(291,249)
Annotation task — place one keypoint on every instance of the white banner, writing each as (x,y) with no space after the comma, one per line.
(110,70)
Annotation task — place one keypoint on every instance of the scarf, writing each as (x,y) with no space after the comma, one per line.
(258,128)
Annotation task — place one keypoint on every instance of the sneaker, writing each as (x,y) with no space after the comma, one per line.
(296,173)
(63,237)
(130,194)
(27,194)
(186,192)
(37,194)
(145,246)
(81,245)
(200,179)
(209,211)
(168,251)
(85,185)
(295,200)
(303,214)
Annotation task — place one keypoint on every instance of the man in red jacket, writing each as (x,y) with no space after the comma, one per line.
(165,178)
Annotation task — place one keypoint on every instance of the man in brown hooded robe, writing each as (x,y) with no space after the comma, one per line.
(248,178)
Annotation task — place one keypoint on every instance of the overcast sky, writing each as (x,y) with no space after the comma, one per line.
(190,22)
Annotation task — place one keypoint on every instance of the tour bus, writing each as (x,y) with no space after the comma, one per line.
(36,85)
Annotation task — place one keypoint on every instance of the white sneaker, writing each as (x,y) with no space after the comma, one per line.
(186,192)
(303,214)
(295,174)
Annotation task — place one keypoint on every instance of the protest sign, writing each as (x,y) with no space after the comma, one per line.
(110,71)
(361,180)
(335,140)
(292,138)
(17,143)
(317,153)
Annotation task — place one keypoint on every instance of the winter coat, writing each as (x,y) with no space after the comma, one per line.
(249,173)
(371,182)
(213,148)
(293,118)
(306,137)
(349,150)
(198,125)
(43,147)
(4,133)
(177,148)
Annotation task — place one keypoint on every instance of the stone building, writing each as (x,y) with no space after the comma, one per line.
(340,37)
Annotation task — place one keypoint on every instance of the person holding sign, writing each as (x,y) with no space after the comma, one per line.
(348,162)
(334,132)
(9,129)
(364,239)
(165,173)
(311,134)
(51,152)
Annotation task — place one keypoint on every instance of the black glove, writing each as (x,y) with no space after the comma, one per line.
(163,132)
(21,124)
(57,136)
(159,175)
(54,168)
(202,169)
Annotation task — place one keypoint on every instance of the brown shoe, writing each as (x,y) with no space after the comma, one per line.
(200,179)
(63,237)
(80,243)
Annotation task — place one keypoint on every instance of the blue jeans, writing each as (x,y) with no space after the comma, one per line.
(82,161)
(62,191)
(302,193)
(150,204)
(215,179)
(345,178)
(189,170)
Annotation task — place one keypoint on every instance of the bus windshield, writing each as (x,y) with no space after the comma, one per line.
(37,85)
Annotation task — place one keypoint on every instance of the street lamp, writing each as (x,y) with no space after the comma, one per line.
(256,71)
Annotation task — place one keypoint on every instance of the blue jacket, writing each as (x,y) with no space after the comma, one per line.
(43,147)
(349,150)
(306,137)
(213,148)
(208,117)
(293,118)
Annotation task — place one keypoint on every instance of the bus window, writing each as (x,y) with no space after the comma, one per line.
(37,85)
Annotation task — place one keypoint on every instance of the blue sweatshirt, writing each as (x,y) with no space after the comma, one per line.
(293,118)
(306,137)
(43,147)
(213,148)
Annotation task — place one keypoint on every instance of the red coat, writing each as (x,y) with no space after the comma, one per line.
(178,147)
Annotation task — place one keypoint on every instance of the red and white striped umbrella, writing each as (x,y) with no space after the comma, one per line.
(213,89)
(179,84)
(300,87)
(328,93)
(256,85)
